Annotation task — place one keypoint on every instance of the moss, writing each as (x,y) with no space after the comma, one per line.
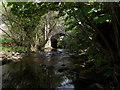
(47,48)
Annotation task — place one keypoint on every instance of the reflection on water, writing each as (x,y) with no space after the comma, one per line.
(38,70)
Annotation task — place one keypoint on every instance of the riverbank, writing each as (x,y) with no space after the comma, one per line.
(6,57)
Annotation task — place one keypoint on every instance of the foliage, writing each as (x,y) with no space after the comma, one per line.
(27,29)
(92,28)
(77,38)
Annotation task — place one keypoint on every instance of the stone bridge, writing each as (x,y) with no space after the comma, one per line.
(54,35)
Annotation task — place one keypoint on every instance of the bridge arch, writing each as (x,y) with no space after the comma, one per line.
(55,38)
(56,34)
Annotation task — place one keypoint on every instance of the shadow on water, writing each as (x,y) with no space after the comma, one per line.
(39,70)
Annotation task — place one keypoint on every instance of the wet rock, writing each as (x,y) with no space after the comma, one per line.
(63,65)
(95,86)
(63,69)
(54,49)
(43,65)
(13,54)
(10,78)
(60,52)
(7,57)
(5,61)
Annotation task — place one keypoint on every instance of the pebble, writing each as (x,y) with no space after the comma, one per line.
(10,55)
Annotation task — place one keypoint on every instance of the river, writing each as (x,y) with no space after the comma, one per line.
(49,69)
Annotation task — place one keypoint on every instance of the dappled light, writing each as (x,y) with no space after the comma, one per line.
(60,45)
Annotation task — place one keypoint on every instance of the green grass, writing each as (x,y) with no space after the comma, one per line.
(5,46)
(13,49)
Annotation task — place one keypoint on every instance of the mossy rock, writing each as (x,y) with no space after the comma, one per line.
(87,72)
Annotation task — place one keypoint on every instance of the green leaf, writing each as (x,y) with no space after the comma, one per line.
(102,19)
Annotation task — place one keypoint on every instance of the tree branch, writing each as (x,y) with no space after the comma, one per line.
(9,35)
(80,23)
(97,30)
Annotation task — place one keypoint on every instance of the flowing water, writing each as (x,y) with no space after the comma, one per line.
(47,69)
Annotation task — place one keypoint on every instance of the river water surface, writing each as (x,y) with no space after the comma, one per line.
(47,69)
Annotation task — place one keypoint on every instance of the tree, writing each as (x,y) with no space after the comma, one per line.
(28,22)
